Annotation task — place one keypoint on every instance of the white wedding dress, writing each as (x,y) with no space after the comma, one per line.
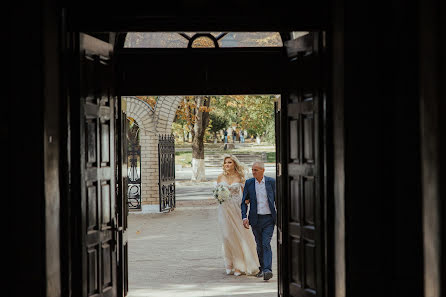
(239,246)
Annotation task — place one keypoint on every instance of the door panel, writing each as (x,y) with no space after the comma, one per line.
(122,205)
(277,126)
(97,168)
(301,198)
(303,231)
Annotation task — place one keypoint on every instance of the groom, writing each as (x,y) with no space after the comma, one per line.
(260,193)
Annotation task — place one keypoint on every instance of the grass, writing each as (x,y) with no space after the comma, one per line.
(271,157)
(183,158)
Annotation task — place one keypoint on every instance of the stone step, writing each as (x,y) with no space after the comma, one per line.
(247,159)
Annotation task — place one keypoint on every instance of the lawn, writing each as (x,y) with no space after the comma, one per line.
(183,158)
(271,157)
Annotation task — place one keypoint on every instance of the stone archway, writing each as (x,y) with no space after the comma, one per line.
(152,123)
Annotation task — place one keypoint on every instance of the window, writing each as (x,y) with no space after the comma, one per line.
(202,39)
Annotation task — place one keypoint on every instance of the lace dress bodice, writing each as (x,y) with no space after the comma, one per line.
(235,189)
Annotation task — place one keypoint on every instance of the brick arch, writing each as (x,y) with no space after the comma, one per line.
(141,112)
(165,109)
(152,122)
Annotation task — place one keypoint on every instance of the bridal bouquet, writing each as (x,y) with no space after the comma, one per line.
(221,193)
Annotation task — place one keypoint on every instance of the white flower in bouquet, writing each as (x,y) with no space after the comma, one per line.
(221,193)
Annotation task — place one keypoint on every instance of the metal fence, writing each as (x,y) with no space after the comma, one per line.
(166,161)
(134,176)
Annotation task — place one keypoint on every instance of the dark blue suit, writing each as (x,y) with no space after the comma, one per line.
(262,225)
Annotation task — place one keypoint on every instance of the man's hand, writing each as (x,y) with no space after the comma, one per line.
(247,201)
(246,223)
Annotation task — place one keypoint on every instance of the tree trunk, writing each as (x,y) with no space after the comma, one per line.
(201,123)
(215,137)
(185,134)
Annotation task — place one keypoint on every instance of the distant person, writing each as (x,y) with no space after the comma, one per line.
(242,137)
(234,136)
(239,245)
(225,133)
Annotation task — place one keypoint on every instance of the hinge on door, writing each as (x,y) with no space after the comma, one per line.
(279,169)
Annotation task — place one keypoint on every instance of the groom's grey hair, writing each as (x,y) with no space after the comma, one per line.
(259,163)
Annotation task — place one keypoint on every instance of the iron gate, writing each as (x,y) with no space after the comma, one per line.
(166,161)
(134,176)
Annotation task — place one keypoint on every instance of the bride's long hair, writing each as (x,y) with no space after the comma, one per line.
(239,167)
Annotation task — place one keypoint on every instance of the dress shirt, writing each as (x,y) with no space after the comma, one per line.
(262,198)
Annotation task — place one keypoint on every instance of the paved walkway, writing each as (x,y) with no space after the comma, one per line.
(180,254)
(185,173)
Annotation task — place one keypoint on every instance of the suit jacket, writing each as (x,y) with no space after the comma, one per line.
(249,193)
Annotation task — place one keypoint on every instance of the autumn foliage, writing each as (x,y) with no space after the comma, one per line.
(151,100)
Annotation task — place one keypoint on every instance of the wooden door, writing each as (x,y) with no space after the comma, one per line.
(122,205)
(97,179)
(300,175)
(279,193)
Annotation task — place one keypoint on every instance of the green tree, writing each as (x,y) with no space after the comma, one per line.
(259,114)
(217,123)
(249,112)
(180,129)
(270,132)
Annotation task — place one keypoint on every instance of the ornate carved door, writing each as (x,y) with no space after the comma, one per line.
(300,173)
(97,226)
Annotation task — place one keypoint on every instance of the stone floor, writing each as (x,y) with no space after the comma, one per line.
(180,254)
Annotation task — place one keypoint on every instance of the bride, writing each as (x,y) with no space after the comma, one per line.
(239,246)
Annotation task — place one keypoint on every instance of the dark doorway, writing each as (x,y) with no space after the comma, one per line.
(298,70)
(378,235)
(295,70)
